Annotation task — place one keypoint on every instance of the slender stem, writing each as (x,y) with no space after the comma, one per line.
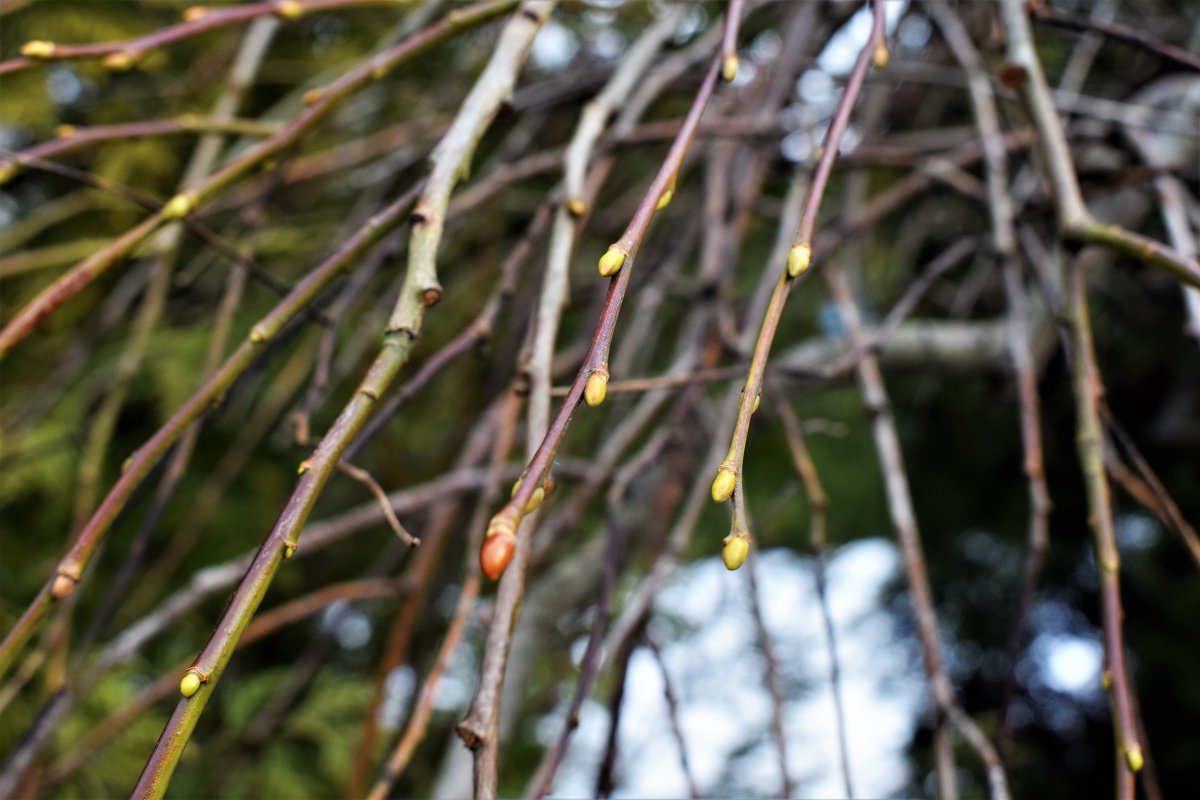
(596,361)
(1088,391)
(818,504)
(800,255)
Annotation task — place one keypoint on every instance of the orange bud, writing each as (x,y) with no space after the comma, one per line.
(496,553)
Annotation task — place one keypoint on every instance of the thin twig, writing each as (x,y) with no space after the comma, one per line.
(1088,393)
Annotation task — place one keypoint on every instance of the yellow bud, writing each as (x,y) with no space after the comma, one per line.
(289,9)
(8,171)
(1133,757)
(723,485)
(757,403)
(799,257)
(665,199)
(577,207)
(304,467)
(289,550)
(734,552)
(611,261)
(516,486)
(597,387)
(65,131)
(310,97)
(729,67)
(37,49)
(190,684)
(1106,680)
(881,55)
(179,206)
(194,13)
(258,335)
(535,500)
(119,61)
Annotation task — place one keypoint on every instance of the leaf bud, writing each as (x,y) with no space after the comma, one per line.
(611,261)
(729,67)
(735,551)
(179,206)
(63,586)
(37,48)
(724,484)
(497,550)
(799,258)
(881,55)
(289,9)
(597,387)
(190,684)
(120,60)
(1134,757)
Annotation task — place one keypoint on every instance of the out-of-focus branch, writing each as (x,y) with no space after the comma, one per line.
(1043,14)
(120,56)
(1019,336)
(1075,222)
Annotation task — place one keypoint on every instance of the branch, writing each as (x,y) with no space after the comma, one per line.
(1088,390)
(321,102)
(420,290)
(121,56)
(1045,15)
(1075,222)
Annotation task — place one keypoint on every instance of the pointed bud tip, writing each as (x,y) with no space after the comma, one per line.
(194,13)
(799,259)
(723,485)
(596,389)
(735,551)
(664,200)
